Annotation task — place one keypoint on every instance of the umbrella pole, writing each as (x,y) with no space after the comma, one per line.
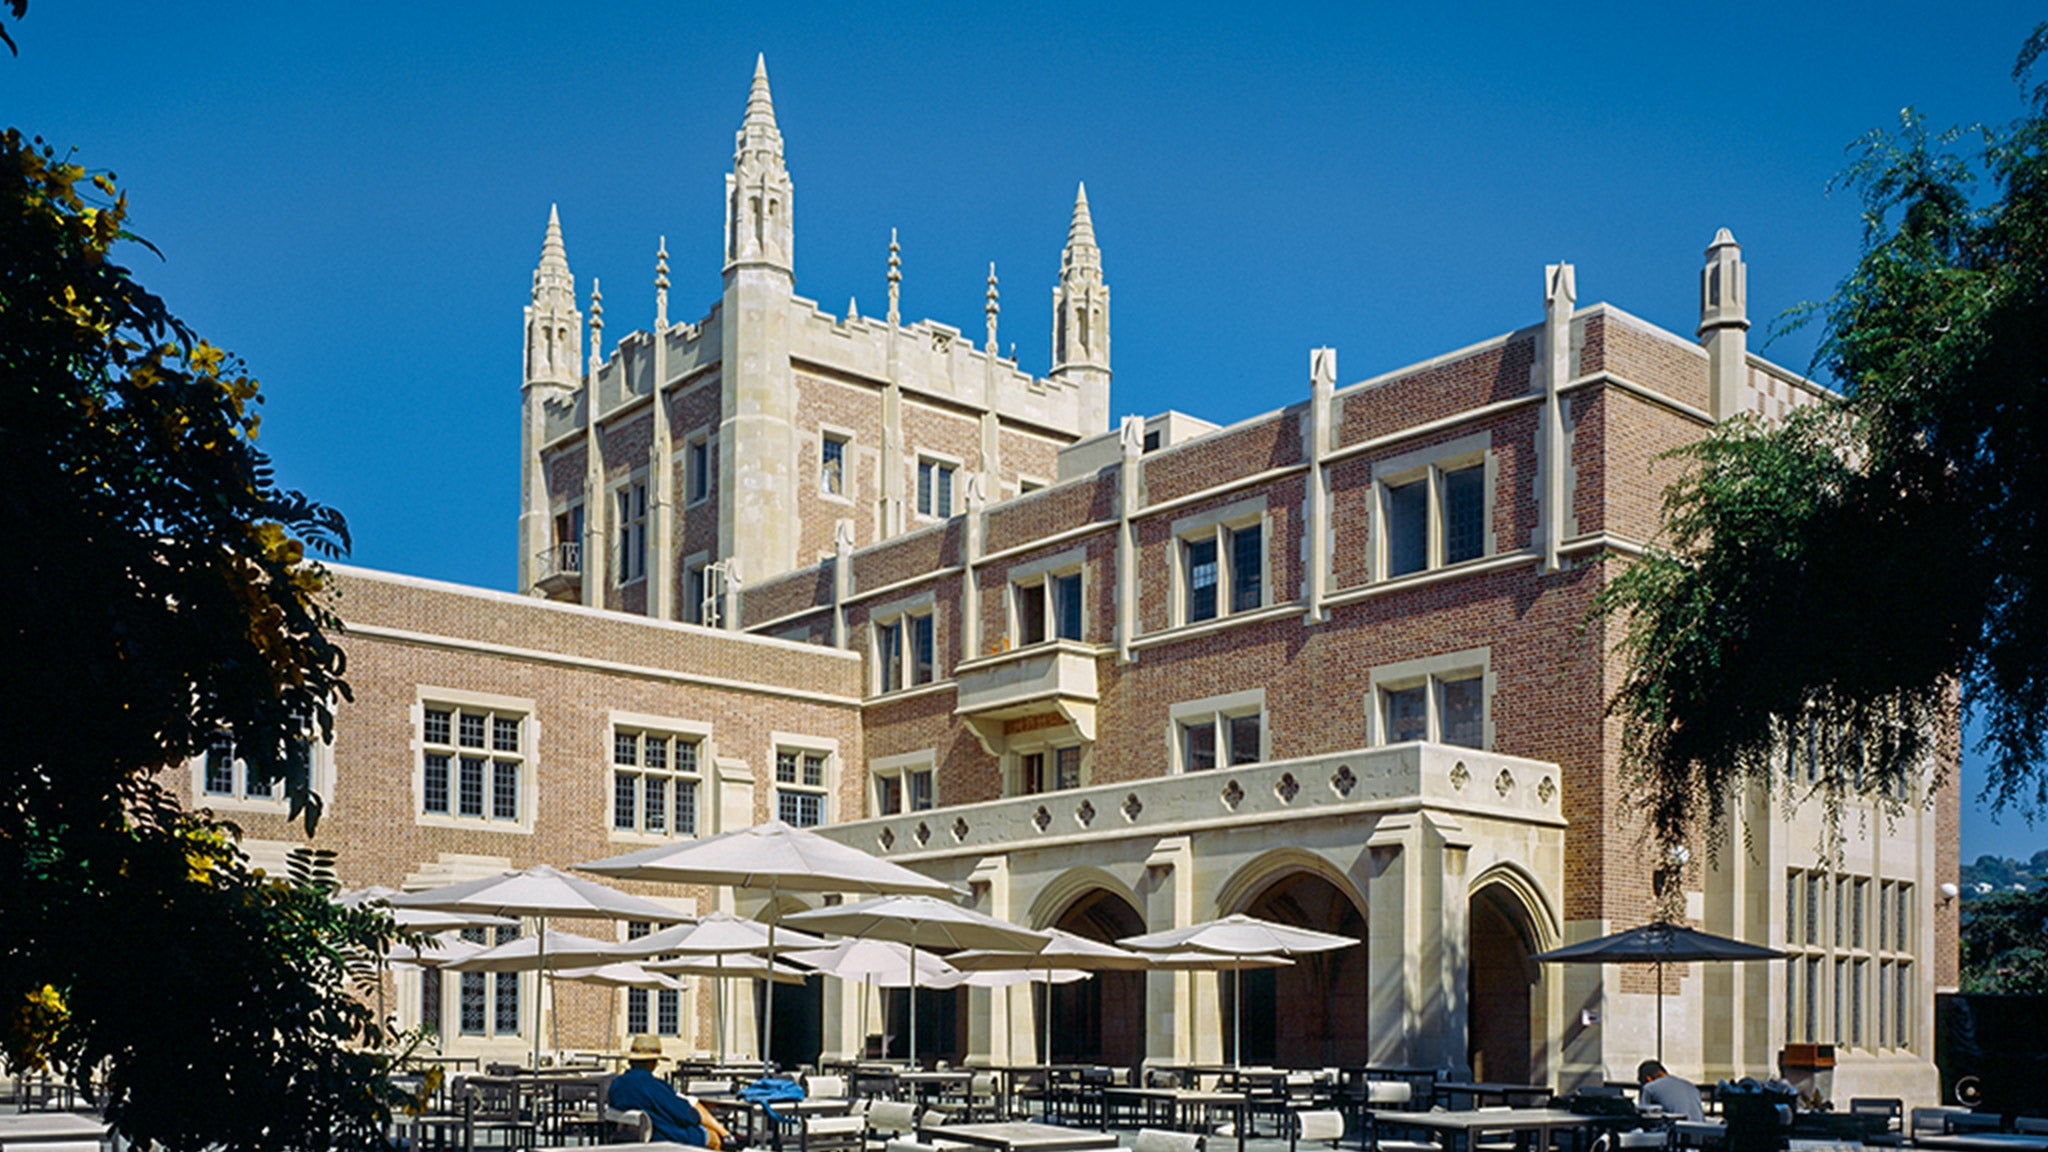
(861,1052)
(1237,1014)
(1660,1012)
(540,992)
(718,1018)
(1048,1041)
(913,1005)
(768,1028)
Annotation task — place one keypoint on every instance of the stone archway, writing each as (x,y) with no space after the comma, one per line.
(1504,1003)
(1098,1021)
(1319,1005)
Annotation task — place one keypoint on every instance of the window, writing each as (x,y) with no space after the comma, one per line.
(430,999)
(832,465)
(488,1004)
(697,470)
(568,551)
(656,1011)
(800,787)
(901,788)
(934,489)
(906,651)
(1222,568)
(631,503)
(1438,699)
(1048,608)
(472,763)
(1221,731)
(1050,769)
(693,594)
(654,782)
(223,775)
(1433,508)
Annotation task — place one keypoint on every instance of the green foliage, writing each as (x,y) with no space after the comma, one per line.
(2002,873)
(2004,943)
(1833,581)
(158,596)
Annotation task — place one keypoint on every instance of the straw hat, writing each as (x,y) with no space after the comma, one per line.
(644,1047)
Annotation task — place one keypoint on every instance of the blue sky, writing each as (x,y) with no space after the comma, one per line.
(352,197)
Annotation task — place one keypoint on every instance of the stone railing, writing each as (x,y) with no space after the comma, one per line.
(1393,778)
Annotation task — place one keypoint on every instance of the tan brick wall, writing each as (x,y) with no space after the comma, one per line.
(1656,362)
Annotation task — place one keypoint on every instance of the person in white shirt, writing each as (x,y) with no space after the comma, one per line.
(1662,1090)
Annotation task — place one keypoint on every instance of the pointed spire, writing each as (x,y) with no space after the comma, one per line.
(1081,252)
(895,280)
(596,327)
(553,285)
(992,307)
(661,286)
(758,132)
(1082,229)
(852,308)
(552,250)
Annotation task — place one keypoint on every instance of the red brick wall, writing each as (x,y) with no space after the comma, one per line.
(1498,372)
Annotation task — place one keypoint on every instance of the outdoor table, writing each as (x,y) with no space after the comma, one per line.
(1699,1133)
(454,1062)
(1959,1142)
(1505,1093)
(746,1110)
(655,1146)
(924,1085)
(1543,1123)
(52,1132)
(1176,1107)
(1024,1136)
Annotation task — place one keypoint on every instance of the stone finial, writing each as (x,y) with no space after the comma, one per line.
(852,308)
(1131,436)
(1559,282)
(842,536)
(975,493)
(1322,368)
(992,307)
(895,280)
(1724,285)
(758,132)
(596,327)
(661,286)
(551,278)
(1081,250)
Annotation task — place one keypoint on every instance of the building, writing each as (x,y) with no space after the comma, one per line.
(1329,665)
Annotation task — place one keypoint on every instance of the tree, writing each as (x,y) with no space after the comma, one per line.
(2004,943)
(158,599)
(1828,585)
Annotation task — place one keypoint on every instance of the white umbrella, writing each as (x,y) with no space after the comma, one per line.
(546,950)
(445,948)
(716,934)
(1065,950)
(920,921)
(994,979)
(620,974)
(773,856)
(539,892)
(418,919)
(1242,939)
(882,963)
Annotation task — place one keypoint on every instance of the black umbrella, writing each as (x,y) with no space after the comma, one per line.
(1658,943)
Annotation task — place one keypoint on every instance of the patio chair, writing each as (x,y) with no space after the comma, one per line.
(1323,1126)
(1160,1140)
(1890,1109)
(1385,1096)
(889,1119)
(831,1133)
(825,1087)
(628,1125)
(492,1107)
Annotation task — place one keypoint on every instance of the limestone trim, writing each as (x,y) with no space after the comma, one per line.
(1603,541)
(901,766)
(1261,872)
(1213,710)
(800,744)
(1062,891)
(1428,576)
(1430,466)
(1527,892)
(538,656)
(1641,392)
(320,769)
(1482,414)
(707,755)
(885,699)
(1286,609)
(1255,480)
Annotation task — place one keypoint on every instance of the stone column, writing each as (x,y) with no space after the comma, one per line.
(1418,941)
(1321,434)
(1130,496)
(1555,368)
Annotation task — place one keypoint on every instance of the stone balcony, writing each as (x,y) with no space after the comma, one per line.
(1395,778)
(558,572)
(1056,677)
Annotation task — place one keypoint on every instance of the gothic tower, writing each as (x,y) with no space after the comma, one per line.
(1080,307)
(756,451)
(554,358)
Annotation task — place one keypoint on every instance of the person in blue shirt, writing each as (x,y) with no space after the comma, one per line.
(638,1088)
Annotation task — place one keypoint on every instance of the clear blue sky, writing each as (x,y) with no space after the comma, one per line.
(352,196)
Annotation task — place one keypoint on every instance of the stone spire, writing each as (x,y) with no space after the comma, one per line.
(661,287)
(895,280)
(596,327)
(759,196)
(554,329)
(1080,316)
(1724,323)
(992,307)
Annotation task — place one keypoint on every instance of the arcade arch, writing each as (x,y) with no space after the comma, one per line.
(1507,1022)
(1321,1003)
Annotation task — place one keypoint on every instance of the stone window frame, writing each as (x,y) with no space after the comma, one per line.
(1047,742)
(900,614)
(1220,524)
(1433,672)
(573,509)
(494,986)
(1432,464)
(844,437)
(695,491)
(802,746)
(641,518)
(954,465)
(691,610)
(457,700)
(901,768)
(1028,483)
(1214,710)
(656,1000)
(647,724)
(1036,578)
(238,798)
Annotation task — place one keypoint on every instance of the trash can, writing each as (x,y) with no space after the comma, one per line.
(1809,1068)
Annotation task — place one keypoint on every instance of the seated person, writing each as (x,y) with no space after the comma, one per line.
(675,1116)
(1660,1089)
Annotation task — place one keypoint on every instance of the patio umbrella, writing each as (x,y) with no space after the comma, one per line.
(716,934)
(547,950)
(882,963)
(419,919)
(1659,942)
(1240,938)
(920,921)
(619,974)
(1065,950)
(445,948)
(539,892)
(773,856)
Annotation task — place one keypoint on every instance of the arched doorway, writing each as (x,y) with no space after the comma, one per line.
(1321,1003)
(1099,1021)
(1502,1004)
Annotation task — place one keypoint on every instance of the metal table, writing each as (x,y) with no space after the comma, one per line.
(1463,1129)
(1023,1136)
(52,1131)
